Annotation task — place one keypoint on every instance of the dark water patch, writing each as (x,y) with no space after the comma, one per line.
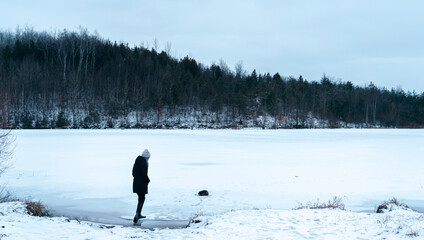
(114,220)
(109,212)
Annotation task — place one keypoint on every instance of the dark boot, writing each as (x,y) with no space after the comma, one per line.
(137,217)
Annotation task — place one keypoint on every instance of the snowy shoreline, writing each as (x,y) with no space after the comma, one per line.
(15,223)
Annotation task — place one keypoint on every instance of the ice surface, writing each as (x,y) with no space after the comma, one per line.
(88,172)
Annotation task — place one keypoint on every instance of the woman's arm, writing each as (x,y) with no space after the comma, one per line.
(144,170)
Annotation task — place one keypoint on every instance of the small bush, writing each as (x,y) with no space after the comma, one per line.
(391,205)
(5,195)
(335,203)
(412,234)
(36,209)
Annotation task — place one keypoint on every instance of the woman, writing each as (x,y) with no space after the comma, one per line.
(141,180)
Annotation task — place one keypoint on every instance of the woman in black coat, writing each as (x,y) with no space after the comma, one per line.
(141,180)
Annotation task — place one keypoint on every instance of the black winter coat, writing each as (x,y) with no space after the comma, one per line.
(139,172)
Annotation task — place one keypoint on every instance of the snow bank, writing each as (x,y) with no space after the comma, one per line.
(15,223)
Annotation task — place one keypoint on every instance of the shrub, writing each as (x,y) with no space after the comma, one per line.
(36,209)
(391,205)
(335,203)
(413,234)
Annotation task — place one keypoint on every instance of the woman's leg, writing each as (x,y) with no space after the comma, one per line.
(141,198)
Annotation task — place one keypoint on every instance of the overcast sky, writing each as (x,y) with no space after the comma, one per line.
(352,40)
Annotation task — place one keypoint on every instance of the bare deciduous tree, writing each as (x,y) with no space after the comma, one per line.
(155,44)
(240,72)
(5,154)
(6,141)
(168,47)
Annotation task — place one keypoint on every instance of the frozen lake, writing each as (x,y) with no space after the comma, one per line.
(88,172)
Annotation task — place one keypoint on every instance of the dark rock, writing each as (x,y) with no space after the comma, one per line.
(204,193)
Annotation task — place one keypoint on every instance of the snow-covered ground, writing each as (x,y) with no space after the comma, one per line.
(242,224)
(87,174)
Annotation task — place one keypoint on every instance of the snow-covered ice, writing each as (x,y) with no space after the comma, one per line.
(87,173)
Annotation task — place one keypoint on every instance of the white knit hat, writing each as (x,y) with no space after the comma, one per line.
(146,153)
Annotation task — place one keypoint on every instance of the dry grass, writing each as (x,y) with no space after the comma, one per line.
(385,205)
(335,203)
(36,209)
(412,234)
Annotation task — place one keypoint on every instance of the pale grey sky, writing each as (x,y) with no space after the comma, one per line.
(352,40)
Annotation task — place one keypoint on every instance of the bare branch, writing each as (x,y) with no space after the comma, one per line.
(6,150)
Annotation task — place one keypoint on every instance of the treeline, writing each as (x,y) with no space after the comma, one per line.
(77,79)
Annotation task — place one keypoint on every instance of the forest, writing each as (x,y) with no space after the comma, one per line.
(75,79)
